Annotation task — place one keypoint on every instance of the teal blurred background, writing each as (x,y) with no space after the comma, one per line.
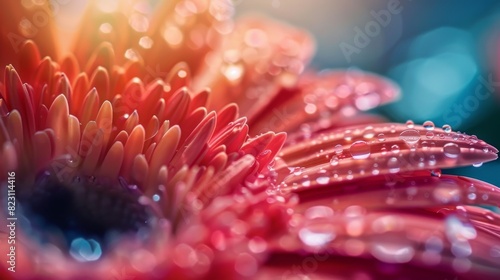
(443,54)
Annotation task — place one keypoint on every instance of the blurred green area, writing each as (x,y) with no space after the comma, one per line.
(443,54)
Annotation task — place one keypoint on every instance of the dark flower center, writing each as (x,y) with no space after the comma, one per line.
(85,216)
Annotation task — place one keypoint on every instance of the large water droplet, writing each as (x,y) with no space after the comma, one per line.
(451,150)
(360,150)
(410,136)
(410,124)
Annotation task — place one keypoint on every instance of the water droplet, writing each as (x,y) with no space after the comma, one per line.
(156,197)
(369,132)
(316,212)
(451,150)
(381,137)
(305,181)
(323,180)
(348,135)
(297,171)
(338,149)
(393,165)
(479,164)
(410,136)
(473,139)
(143,260)
(395,149)
(447,128)
(317,234)
(428,125)
(360,150)
(334,161)
(429,135)
(471,196)
(432,160)
(410,124)
(393,251)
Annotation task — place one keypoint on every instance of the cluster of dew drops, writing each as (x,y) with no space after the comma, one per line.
(363,149)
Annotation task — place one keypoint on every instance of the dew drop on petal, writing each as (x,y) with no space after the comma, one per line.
(395,149)
(319,211)
(348,135)
(410,136)
(478,164)
(381,137)
(306,182)
(428,125)
(338,149)
(317,234)
(451,150)
(472,196)
(393,251)
(429,135)
(393,165)
(383,150)
(432,160)
(447,128)
(323,180)
(369,132)
(410,124)
(360,150)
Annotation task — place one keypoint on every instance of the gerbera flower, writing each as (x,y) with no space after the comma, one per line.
(184,145)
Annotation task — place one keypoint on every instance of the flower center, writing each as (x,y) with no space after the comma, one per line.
(86,216)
